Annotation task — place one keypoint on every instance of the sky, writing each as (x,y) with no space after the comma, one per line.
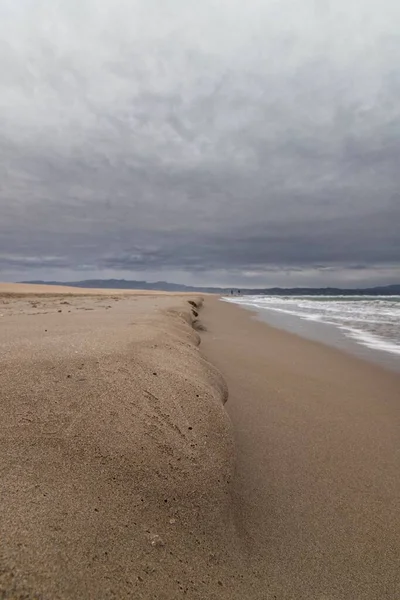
(215,142)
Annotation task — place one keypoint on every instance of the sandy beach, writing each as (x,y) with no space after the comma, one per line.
(317,483)
(136,463)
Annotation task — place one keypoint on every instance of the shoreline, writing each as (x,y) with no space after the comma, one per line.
(327,334)
(316,485)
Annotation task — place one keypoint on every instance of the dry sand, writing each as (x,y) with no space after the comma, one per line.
(116,453)
(117,456)
(30,289)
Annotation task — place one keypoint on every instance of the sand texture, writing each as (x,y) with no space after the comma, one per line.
(30,289)
(124,474)
(116,453)
(317,484)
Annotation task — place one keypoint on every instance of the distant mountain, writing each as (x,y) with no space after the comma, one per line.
(122,284)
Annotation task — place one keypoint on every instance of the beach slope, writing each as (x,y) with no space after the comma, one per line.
(317,483)
(116,452)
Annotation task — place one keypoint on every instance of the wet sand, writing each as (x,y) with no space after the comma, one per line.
(317,484)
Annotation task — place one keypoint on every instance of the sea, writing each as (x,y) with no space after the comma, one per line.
(368,326)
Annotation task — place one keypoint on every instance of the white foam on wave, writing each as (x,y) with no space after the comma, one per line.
(268,306)
(265,306)
(371,340)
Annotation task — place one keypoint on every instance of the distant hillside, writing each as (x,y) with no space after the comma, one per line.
(122,284)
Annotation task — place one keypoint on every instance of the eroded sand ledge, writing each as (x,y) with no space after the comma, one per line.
(116,455)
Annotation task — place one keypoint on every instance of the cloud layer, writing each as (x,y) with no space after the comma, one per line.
(219,141)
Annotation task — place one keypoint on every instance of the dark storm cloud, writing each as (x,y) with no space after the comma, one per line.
(219,140)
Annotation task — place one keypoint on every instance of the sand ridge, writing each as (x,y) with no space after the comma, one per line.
(116,455)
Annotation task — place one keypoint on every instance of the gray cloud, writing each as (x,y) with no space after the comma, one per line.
(224,142)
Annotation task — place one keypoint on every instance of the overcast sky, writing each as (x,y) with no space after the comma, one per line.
(216,142)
